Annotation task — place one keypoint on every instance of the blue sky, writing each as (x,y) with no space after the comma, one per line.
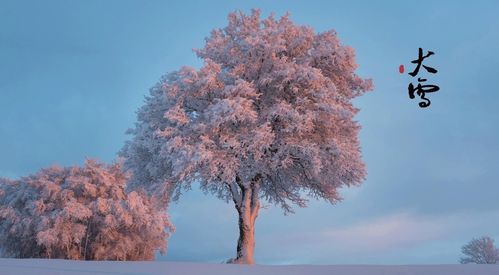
(73,73)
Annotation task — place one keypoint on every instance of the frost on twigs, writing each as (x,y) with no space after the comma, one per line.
(80,213)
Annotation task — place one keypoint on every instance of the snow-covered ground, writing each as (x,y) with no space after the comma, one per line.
(55,267)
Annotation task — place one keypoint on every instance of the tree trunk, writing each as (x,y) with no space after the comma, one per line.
(246,242)
(247,203)
(86,240)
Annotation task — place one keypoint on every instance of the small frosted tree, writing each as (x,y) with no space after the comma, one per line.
(79,213)
(268,117)
(480,251)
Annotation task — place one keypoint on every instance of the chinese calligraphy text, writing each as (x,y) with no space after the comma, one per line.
(422,89)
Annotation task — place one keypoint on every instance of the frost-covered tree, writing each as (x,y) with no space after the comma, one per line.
(268,117)
(80,213)
(480,251)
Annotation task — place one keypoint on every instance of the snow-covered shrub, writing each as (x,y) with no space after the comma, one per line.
(80,213)
(480,251)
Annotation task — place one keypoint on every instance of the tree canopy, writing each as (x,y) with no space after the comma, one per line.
(272,101)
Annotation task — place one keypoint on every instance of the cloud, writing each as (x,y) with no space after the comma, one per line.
(396,238)
(402,229)
(405,229)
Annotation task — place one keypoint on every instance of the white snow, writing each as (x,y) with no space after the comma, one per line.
(69,267)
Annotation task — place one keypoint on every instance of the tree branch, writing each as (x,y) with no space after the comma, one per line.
(236,194)
(255,192)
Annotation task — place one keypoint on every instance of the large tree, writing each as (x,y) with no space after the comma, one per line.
(268,117)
